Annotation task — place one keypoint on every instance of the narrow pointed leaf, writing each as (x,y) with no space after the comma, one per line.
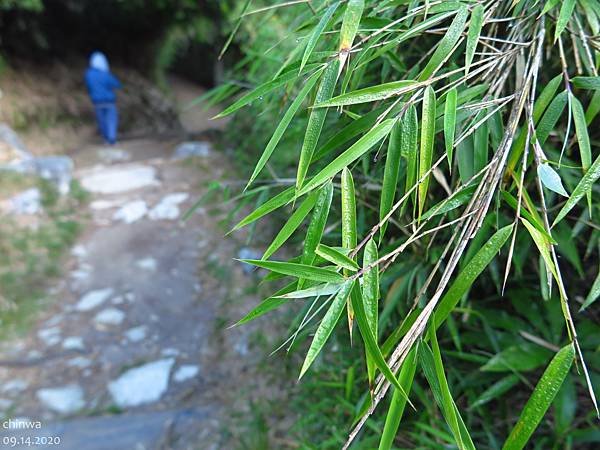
(450,124)
(473,35)
(566,11)
(283,125)
(542,244)
(269,206)
(349,238)
(315,122)
(298,270)
(409,131)
(363,145)
(551,179)
(370,296)
(336,257)
(593,294)
(350,23)
(370,94)
(390,175)
(316,33)
(551,116)
(330,319)
(426,149)
(315,291)
(541,398)
(291,225)
(590,83)
(268,304)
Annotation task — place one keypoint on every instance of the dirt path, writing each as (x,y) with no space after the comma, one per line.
(128,352)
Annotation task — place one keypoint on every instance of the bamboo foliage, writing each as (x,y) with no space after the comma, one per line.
(477,147)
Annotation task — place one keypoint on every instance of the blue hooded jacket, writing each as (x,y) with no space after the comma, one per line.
(99,81)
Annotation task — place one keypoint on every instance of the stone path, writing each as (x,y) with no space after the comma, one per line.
(127,353)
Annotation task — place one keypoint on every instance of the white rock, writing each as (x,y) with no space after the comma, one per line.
(93,299)
(16,385)
(80,274)
(110,316)
(26,202)
(130,297)
(131,212)
(169,351)
(167,208)
(147,264)
(50,336)
(100,205)
(192,148)
(79,361)
(117,300)
(79,251)
(73,343)
(140,385)
(119,179)
(185,372)
(65,400)
(136,334)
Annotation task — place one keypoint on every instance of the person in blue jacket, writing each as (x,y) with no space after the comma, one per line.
(101,85)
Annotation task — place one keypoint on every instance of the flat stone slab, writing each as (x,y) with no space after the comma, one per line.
(185,372)
(93,299)
(110,316)
(119,179)
(131,212)
(143,384)
(168,207)
(64,400)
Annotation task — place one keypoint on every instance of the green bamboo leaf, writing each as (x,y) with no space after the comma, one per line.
(350,23)
(349,237)
(298,270)
(542,244)
(390,175)
(541,398)
(364,144)
(269,206)
(409,130)
(339,259)
(551,116)
(291,225)
(551,179)
(370,94)
(475,26)
(450,124)
(448,404)
(522,358)
(590,83)
(593,294)
(566,11)
(583,140)
(283,125)
(548,6)
(370,296)
(316,33)
(481,139)
(495,390)
(546,97)
(583,187)
(330,319)
(319,290)
(370,341)
(458,198)
(268,304)
(315,122)
(447,43)
(471,271)
(426,150)
(398,402)
(264,89)
(316,226)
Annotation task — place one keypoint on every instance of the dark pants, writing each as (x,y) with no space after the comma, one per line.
(108,120)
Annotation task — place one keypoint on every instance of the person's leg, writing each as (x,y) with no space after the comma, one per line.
(112,122)
(101,120)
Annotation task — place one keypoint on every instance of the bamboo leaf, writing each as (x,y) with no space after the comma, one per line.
(349,238)
(566,11)
(590,83)
(473,34)
(523,358)
(283,125)
(298,270)
(583,140)
(593,294)
(316,33)
(450,124)
(315,122)
(444,48)
(370,94)
(426,150)
(390,175)
(336,257)
(471,271)
(363,145)
(315,291)
(409,131)
(551,116)
(583,187)
(291,225)
(264,89)
(330,319)
(370,297)
(542,244)
(495,390)
(268,304)
(398,402)
(541,398)
(350,23)
(551,179)
(269,206)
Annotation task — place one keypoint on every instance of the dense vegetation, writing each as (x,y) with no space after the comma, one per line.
(435,165)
